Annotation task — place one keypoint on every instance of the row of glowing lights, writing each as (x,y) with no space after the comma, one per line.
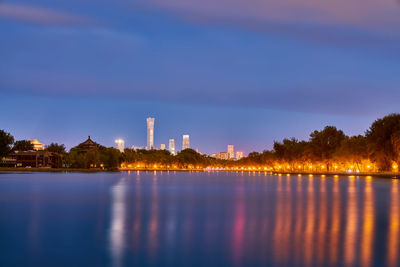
(352,167)
(155,166)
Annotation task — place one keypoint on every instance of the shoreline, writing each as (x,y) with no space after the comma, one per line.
(390,175)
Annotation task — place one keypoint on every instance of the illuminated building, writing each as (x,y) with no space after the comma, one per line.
(171,146)
(162,146)
(37,159)
(239,155)
(221,155)
(185,142)
(231,153)
(36,145)
(120,143)
(150,133)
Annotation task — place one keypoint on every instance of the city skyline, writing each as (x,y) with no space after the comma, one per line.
(120,142)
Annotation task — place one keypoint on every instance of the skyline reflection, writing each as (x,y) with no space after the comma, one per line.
(238,219)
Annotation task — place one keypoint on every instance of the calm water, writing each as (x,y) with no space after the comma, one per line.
(197,219)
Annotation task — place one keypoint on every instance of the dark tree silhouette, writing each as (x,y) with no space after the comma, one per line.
(6,141)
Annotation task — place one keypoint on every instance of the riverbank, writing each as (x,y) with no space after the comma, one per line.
(50,170)
(92,170)
(390,175)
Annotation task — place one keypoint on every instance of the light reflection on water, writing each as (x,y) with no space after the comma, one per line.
(118,220)
(197,219)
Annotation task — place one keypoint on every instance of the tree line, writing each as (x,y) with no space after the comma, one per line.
(331,150)
(326,150)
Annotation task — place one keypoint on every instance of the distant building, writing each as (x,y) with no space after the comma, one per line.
(171,146)
(185,142)
(221,155)
(88,145)
(162,147)
(239,155)
(37,159)
(231,152)
(120,144)
(37,145)
(150,133)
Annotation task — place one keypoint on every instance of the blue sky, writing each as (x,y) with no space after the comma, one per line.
(226,72)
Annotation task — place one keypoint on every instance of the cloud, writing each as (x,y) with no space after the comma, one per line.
(333,22)
(357,13)
(42,16)
(345,99)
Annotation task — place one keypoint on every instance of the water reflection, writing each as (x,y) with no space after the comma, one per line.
(349,245)
(288,220)
(367,236)
(118,220)
(153,226)
(239,225)
(394,225)
(323,220)
(196,219)
(335,218)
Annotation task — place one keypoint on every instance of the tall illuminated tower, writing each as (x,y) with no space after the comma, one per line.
(231,153)
(171,146)
(150,133)
(185,142)
(120,143)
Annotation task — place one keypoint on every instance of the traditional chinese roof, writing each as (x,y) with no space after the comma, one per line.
(89,144)
(36,144)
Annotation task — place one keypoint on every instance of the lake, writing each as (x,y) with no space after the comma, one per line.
(197,219)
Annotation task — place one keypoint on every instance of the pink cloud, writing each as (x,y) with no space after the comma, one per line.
(39,15)
(365,14)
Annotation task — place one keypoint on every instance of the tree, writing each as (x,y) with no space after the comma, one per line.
(381,137)
(353,149)
(110,157)
(23,145)
(190,157)
(56,148)
(396,145)
(129,155)
(6,141)
(324,144)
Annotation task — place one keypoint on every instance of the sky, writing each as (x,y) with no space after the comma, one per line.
(241,72)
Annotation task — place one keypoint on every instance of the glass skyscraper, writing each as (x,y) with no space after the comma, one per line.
(150,133)
(171,146)
(185,142)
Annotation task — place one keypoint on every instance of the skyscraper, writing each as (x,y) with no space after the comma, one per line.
(120,143)
(162,147)
(171,146)
(150,133)
(185,142)
(231,153)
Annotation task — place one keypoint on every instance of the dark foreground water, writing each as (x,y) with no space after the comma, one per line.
(197,219)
